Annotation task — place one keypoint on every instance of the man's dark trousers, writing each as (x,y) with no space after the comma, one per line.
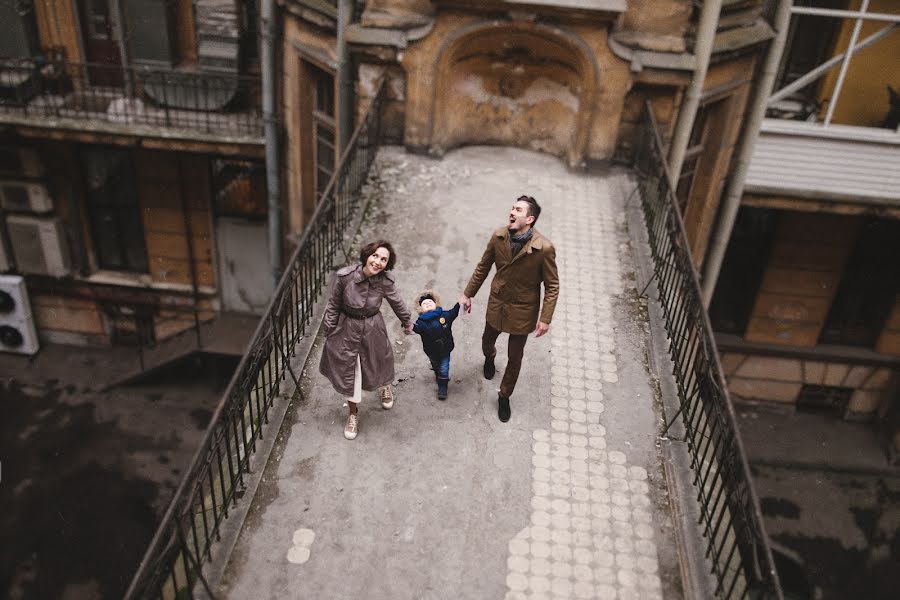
(515,350)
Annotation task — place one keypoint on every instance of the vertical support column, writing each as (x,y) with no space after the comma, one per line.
(270,125)
(706,35)
(734,190)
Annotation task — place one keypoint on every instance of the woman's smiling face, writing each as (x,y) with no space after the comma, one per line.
(377,261)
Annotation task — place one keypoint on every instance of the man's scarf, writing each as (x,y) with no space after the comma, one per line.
(516,242)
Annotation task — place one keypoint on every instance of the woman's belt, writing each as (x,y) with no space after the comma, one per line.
(354,313)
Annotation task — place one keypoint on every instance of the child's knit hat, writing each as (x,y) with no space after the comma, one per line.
(424,295)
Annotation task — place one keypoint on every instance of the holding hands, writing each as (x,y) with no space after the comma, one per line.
(465,302)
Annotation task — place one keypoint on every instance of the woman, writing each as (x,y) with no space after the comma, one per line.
(358,354)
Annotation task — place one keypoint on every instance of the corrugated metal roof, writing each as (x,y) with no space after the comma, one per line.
(854,164)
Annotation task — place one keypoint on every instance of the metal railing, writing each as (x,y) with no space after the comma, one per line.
(219,103)
(737,546)
(215,479)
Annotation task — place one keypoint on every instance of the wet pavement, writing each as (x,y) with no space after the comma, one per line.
(87,474)
(830,502)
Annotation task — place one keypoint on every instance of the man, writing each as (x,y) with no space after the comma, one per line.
(525,259)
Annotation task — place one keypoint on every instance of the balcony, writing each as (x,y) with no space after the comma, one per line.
(150,102)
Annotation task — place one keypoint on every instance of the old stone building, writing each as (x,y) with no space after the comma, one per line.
(131,166)
(566,78)
(806,304)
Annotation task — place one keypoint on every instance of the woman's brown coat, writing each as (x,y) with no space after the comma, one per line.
(515,302)
(354,326)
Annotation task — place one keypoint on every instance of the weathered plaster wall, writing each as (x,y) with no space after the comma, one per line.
(656,24)
(515,82)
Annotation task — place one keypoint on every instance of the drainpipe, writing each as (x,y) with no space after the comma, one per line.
(270,124)
(706,35)
(344,76)
(734,191)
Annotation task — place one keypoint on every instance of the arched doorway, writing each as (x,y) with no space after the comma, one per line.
(514,83)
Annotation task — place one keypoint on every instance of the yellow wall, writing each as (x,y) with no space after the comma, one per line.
(864,99)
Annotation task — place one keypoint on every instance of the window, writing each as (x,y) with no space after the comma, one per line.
(868,287)
(323,128)
(743,269)
(17,30)
(240,188)
(148,29)
(113,210)
(824,399)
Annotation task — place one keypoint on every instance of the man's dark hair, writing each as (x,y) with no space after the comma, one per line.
(534,209)
(369,249)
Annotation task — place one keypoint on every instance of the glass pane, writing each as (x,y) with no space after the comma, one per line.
(106,238)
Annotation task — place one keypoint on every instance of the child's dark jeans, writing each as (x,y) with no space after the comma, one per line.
(441,366)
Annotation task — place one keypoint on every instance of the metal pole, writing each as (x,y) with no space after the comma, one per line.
(845,65)
(706,34)
(270,124)
(734,192)
(849,14)
(344,76)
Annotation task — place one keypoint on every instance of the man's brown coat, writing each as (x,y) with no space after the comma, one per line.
(515,303)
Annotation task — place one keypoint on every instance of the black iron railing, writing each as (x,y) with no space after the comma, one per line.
(220,103)
(736,543)
(215,480)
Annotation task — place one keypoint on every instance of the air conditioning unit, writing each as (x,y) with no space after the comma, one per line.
(17,330)
(39,245)
(25,196)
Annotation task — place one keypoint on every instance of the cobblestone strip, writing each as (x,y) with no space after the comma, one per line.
(591,533)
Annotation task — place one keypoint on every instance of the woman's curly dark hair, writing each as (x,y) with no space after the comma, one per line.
(369,249)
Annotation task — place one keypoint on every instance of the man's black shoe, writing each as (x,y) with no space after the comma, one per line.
(489,368)
(503,410)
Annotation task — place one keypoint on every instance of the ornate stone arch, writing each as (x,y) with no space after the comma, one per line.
(514,83)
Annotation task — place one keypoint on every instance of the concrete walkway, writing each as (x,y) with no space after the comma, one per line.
(440,499)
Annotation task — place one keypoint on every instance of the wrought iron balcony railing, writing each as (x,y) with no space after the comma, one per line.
(87,96)
(215,480)
(737,546)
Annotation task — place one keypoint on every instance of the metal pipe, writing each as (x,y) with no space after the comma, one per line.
(735,189)
(826,66)
(706,34)
(849,14)
(270,128)
(835,95)
(344,76)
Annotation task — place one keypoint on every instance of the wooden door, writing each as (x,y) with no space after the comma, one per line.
(101,44)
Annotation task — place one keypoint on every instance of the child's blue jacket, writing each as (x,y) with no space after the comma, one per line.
(434,327)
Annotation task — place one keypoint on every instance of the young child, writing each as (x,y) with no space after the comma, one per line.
(434,326)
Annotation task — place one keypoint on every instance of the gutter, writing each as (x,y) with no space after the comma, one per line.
(735,189)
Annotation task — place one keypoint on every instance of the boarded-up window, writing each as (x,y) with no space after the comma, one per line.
(868,287)
(113,210)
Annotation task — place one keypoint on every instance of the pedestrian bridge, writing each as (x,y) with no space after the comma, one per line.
(584,493)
